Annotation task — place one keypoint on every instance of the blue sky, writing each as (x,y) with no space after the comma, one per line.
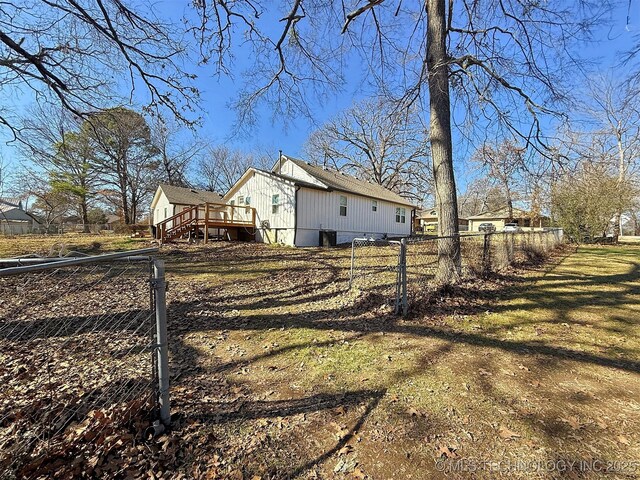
(218,92)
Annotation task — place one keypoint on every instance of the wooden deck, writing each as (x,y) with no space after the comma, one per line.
(202,218)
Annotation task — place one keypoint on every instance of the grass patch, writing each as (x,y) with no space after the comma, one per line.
(54,245)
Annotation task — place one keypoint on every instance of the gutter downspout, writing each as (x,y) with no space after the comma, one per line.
(295,215)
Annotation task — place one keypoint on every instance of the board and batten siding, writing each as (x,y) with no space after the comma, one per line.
(162,209)
(261,188)
(320,210)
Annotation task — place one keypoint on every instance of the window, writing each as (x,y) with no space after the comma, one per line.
(240,200)
(275,203)
(232,202)
(165,212)
(343,206)
(401,215)
(374,205)
(247,200)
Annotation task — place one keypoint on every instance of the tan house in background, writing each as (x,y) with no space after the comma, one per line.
(426,221)
(498,218)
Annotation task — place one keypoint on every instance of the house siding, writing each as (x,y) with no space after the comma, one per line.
(159,209)
(320,210)
(261,188)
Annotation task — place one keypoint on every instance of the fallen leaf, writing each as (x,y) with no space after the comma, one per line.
(446,451)
(507,434)
(358,473)
(522,367)
(345,450)
(573,422)
(622,439)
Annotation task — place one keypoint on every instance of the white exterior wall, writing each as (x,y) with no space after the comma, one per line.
(261,188)
(292,170)
(318,210)
(162,209)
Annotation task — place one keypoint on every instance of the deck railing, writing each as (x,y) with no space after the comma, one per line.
(206,215)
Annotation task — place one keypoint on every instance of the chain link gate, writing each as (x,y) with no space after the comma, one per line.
(83,359)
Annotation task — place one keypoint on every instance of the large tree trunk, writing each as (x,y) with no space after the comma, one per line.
(84,211)
(441,147)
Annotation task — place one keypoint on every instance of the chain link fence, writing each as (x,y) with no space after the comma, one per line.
(375,268)
(407,268)
(82,346)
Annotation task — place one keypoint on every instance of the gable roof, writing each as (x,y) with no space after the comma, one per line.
(503,213)
(13,211)
(188,196)
(346,183)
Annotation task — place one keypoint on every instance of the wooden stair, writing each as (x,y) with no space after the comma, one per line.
(196,218)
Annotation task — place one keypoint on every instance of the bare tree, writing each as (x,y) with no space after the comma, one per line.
(614,114)
(481,196)
(503,164)
(64,156)
(499,58)
(76,54)
(221,167)
(583,202)
(375,141)
(50,206)
(176,151)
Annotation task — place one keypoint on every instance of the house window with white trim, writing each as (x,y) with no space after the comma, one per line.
(275,203)
(343,206)
(401,215)
(247,200)
(240,200)
(374,205)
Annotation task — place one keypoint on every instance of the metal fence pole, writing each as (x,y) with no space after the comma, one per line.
(160,287)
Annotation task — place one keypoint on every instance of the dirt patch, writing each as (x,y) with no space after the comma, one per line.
(279,371)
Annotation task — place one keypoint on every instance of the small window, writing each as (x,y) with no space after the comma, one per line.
(401,215)
(275,203)
(247,200)
(374,205)
(165,212)
(240,200)
(232,202)
(343,206)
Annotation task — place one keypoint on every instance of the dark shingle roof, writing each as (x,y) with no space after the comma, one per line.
(346,183)
(189,196)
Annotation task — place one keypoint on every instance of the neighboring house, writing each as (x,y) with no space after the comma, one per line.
(112,222)
(499,218)
(304,205)
(14,220)
(170,200)
(427,221)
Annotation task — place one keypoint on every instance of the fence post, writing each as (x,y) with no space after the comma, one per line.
(160,287)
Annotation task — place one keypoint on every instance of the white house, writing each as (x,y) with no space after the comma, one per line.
(170,200)
(304,205)
(14,220)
